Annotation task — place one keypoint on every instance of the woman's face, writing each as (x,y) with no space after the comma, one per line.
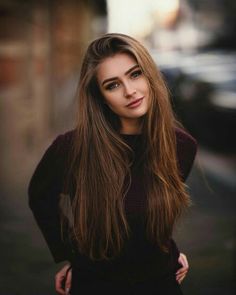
(125,89)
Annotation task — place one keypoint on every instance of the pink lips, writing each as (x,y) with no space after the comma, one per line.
(135,103)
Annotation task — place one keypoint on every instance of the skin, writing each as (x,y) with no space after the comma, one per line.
(63,280)
(121,82)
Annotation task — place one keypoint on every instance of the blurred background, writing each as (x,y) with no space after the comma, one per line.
(194,44)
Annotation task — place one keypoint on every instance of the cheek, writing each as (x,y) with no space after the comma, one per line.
(106,98)
(144,85)
(112,99)
(112,104)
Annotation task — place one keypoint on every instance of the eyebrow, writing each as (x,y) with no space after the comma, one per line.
(126,73)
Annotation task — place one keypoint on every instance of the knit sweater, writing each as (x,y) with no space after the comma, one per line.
(139,259)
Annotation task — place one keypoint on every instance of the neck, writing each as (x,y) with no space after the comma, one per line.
(130,126)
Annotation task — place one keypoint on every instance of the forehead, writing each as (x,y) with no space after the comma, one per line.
(115,66)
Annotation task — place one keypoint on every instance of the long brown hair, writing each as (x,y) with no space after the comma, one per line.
(100,159)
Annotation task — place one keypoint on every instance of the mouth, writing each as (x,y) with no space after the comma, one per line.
(135,103)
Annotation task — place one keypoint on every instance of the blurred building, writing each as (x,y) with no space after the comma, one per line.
(41,45)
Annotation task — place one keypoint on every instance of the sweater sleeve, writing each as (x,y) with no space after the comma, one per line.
(43,191)
(186,152)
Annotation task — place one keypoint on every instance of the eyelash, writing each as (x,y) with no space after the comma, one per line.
(111,86)
(136,74)
(114,85)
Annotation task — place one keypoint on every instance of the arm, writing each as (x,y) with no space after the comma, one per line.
(44,189)
(186,152)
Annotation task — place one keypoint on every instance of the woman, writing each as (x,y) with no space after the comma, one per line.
(107,194)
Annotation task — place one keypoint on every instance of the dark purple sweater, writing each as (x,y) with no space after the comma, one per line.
(139,259)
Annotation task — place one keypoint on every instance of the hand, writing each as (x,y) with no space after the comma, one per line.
(63,280)
(181,273)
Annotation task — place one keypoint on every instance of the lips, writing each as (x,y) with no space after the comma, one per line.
(136,101)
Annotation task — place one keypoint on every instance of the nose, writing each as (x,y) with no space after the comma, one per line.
(129,90)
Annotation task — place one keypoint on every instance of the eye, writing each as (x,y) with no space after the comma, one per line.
(112,86)
(136,74)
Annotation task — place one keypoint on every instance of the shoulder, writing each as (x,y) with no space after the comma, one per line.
(52,164)
(186,151)
(63,142)
(58,153)
(184,138)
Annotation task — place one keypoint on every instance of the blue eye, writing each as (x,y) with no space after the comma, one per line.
(136,74)
(112,86)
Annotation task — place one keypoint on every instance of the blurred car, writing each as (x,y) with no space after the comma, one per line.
(203,92)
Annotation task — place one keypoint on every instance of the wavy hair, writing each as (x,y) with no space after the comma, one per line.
(100,160)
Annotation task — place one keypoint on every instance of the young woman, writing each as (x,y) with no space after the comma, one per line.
(107,194)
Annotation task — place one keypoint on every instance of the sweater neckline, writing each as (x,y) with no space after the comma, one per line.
(133,140)
(131,137)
